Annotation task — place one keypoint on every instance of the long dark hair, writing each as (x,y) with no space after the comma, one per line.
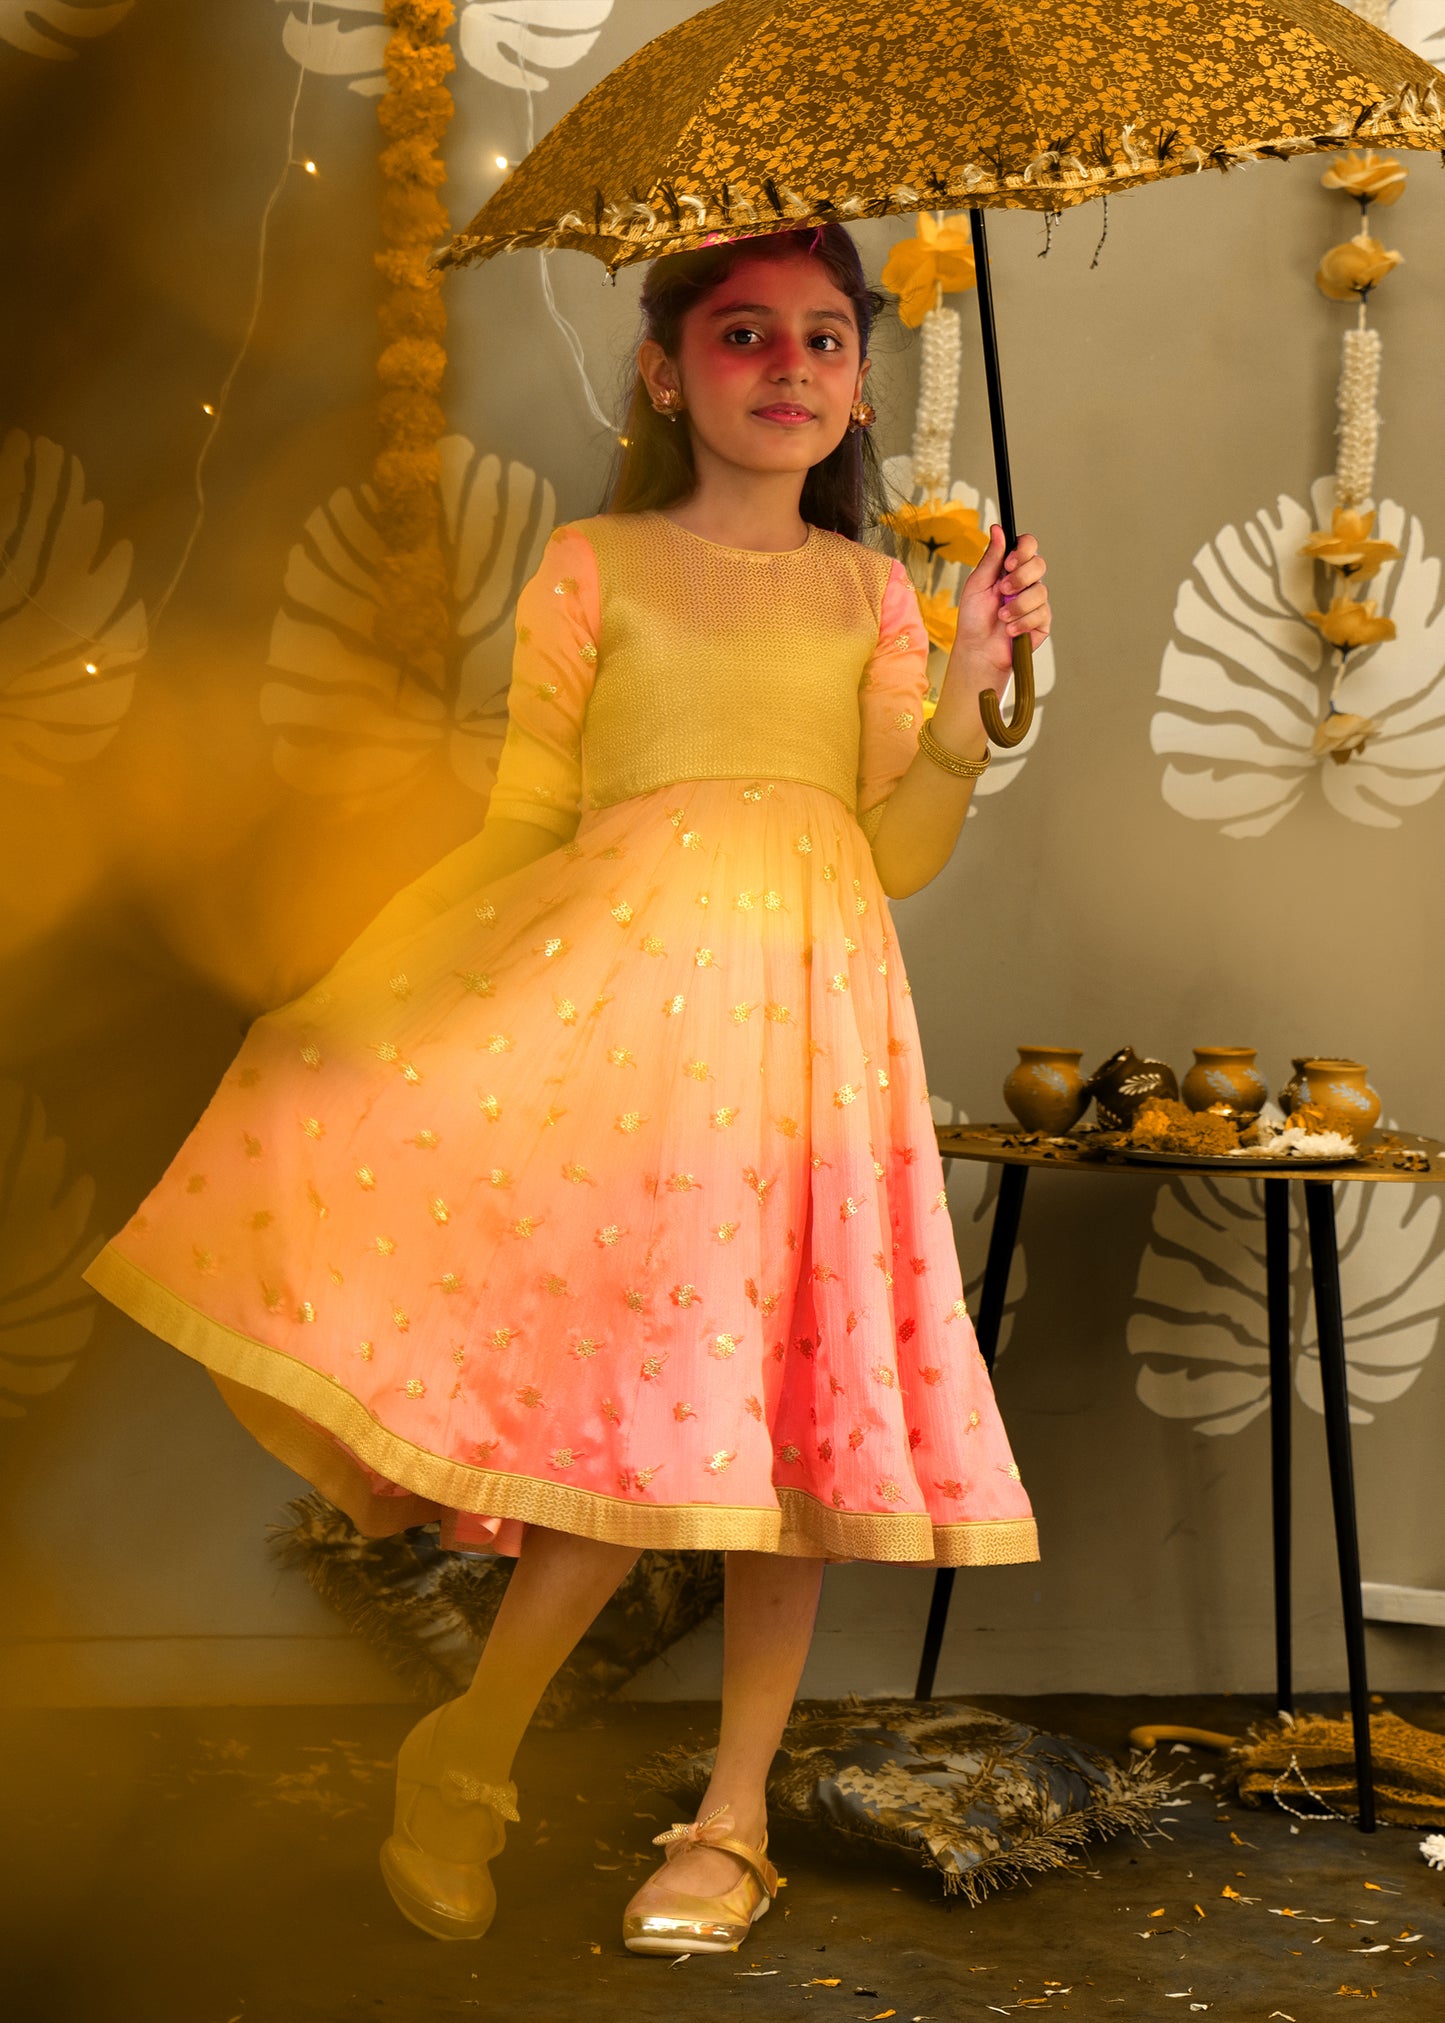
(654,467)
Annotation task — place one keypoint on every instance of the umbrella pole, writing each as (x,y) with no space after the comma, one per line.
(1016,729)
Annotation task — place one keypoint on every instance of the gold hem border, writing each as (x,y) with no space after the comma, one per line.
(276,1387)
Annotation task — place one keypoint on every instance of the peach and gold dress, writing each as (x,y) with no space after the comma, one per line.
(604,1195)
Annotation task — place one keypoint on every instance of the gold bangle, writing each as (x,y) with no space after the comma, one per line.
(952,762)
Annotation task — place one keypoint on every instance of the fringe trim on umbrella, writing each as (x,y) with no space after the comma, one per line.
(632,228)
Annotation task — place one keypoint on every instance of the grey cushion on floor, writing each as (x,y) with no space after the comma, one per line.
(974,1798)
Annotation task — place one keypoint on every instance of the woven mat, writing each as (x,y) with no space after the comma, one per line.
(1308,1767)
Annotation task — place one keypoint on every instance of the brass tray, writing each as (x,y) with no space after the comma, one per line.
(1243,1162)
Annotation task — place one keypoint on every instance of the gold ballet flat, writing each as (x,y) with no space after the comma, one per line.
(678,1923)
(445,1887)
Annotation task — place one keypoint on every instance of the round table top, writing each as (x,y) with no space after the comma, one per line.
(1091,1150)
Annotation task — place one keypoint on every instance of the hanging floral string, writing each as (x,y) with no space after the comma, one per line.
(413,619)
(939,530)
(1348,273)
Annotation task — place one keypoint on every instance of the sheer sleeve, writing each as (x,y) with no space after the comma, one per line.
(890,699)
(554,663)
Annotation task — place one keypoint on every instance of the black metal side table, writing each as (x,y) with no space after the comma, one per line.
(988,1143)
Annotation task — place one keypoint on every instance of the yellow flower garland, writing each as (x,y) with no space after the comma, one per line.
(413,618)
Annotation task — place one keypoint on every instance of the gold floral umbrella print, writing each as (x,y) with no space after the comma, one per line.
(757,114)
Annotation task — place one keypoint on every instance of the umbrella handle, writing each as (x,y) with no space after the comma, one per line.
(1017,728)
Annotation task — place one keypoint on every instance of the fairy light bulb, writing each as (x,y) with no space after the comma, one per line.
(501,161)
(91,668)
(310,168)
(206,407)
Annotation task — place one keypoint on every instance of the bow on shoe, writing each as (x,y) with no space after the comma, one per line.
(708,1832)
(460,1785)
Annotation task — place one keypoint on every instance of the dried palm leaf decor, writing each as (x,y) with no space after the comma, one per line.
(426,1612)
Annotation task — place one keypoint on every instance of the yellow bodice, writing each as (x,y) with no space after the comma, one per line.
(725,663)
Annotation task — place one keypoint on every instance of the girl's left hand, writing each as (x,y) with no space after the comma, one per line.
(1003,597)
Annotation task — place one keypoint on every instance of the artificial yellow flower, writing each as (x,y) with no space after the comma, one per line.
(1350,624)
(1348,546)
(940,257)
(940,619)
(1368,178)
(1342,735)
(1354,268)
(944,527)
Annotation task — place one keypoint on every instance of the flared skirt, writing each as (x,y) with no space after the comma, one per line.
(606,1198)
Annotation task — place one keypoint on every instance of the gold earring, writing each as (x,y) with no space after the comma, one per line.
(862,414)
(668,402)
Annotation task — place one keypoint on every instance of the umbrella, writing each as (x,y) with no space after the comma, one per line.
(756,115)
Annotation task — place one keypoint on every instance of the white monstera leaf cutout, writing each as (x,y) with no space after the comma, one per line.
(351,720)
(339,38)
(54,27)
(509,41)
(46,1310)
(63,611)
(1008,761)
(1199,1326)
(1247,679)
(512,41)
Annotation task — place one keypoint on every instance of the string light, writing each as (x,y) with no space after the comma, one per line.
(502,162)
(207,407)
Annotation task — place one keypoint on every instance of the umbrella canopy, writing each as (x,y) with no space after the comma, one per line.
(756,114)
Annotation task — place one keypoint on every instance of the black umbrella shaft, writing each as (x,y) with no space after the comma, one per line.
(991,375)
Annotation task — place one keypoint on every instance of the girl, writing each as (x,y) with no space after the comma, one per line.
(591,1201)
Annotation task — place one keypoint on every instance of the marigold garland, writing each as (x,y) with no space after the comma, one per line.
(413,618)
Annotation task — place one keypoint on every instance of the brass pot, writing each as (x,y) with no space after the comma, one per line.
(1046,1090)
(1340,1090)
(1226,1080)
(1124,1083)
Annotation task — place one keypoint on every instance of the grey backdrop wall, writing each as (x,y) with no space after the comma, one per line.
(194,830)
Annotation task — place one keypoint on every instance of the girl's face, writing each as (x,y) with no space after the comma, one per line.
(768,365)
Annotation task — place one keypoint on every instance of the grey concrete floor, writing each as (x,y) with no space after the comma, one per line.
(219,1866)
